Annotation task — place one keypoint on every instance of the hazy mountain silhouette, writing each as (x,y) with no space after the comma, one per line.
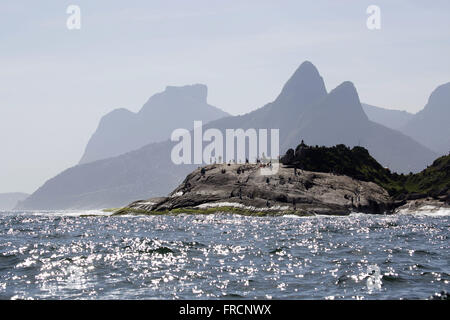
(328,120)
(302,90)
(9,200)
(303,110)
(340,118)
(430,126)
(111,182)
(121,130)
(394,119)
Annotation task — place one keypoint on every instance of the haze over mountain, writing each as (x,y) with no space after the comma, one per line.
(339,118)
(111,182)
(430,126)
(121,130)
(9,200)
(394,119)
(303,110)
(302,90)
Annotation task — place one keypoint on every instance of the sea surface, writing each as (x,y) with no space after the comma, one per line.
(66,255)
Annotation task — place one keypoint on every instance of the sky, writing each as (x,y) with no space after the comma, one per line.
(56,83)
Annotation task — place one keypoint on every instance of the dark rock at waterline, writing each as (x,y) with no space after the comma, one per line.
(416,196)
(447,198)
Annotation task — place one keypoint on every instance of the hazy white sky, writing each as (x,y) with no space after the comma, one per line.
(55,84)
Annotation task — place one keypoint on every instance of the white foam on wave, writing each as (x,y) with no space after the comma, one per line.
(70,213)
(292,216)
(357,214)
(429,211)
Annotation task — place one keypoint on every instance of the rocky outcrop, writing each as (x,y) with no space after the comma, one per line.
(427,205)
(247,189)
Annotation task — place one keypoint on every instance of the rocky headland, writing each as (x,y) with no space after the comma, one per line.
(307,181)
(248,189)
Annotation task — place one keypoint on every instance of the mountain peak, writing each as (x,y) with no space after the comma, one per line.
(307,66)
(196,91)
(345,99)
(176,107)
(440,97)
(304,87)
(346,88)
(430,126)
(177,97)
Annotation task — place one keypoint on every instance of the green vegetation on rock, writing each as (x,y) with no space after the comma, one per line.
(359,164)
(225,209)
(111,209)
(434,181)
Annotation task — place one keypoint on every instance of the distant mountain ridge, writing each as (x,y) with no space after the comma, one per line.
(9,200)
(330,119)
(394,119)
(304,88)
(430,126)
(121,130)
(340,119)
(303,110)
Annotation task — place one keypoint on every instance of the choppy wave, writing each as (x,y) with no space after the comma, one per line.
(87,255)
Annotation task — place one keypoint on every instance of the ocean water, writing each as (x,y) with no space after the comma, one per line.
(63,255)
